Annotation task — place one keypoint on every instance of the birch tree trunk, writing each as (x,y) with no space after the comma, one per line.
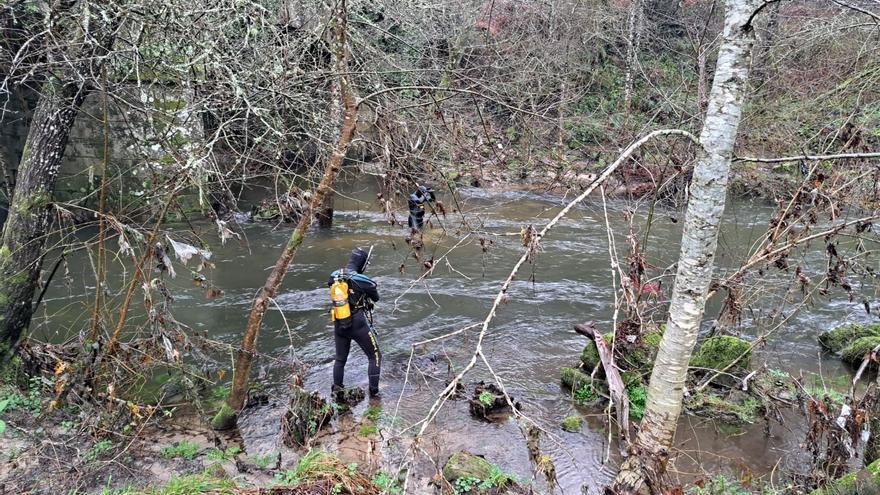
(24,233)
(643,471)
(227,415)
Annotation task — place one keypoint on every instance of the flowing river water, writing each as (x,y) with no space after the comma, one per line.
(529,341)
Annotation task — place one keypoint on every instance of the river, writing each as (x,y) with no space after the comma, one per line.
(529,340)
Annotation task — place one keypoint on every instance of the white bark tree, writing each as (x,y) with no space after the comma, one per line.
(643,470)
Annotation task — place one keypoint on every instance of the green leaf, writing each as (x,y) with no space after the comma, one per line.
(2,426)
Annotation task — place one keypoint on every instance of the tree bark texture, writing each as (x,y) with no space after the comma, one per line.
(65,88)
(226,417)
(643,471)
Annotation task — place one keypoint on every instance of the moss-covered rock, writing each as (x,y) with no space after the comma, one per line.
(637,358)
(590,355)
(863,481)
(466,465)
(721,352)
(572,423)
(574,378)
(855,352)
(837,339)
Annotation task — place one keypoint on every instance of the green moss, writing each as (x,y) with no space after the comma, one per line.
(296,239)
(466,465)
(721,352)
(653,339)
(572,423)
(862,481)
(37,200)
(837,339)
(855,352)
(574,378)
(590,355)
(225,418)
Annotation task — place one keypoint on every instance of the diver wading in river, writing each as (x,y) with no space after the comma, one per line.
(353,294)
(416,205)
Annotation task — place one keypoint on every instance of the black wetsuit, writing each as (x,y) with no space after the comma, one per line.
(416,204)
(362,294)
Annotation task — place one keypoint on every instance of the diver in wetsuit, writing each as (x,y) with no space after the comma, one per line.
(362,293)
(416,205)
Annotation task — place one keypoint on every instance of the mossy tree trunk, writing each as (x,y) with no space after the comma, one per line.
(226,417)
(24,233)
(644,470)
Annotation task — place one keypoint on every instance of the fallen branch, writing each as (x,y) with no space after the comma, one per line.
(839,156)
(615,383)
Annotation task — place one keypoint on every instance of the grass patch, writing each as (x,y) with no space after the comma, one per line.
(98,450)
(373,413)
(264,461)
(183,448)
(368,430)
(223,455)
(387,483)
(189,485)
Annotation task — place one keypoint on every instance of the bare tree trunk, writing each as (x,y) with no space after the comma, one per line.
(29,220)
(643,471)
(24,234)
(226,417)
(633,38)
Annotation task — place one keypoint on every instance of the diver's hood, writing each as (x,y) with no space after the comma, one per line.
(358,261)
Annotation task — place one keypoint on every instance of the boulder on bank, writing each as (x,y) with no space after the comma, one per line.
(837,339)
(852,341)
(471,474)
(466,465)
(723,352)
(855,352)
(489,403)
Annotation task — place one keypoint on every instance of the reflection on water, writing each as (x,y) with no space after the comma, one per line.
(530,339)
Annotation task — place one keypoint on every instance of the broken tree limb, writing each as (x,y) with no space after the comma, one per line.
(615,383)
(809,158)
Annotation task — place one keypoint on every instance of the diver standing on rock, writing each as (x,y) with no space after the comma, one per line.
(353,294)
(416,203)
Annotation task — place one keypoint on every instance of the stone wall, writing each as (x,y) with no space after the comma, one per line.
(132,142)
